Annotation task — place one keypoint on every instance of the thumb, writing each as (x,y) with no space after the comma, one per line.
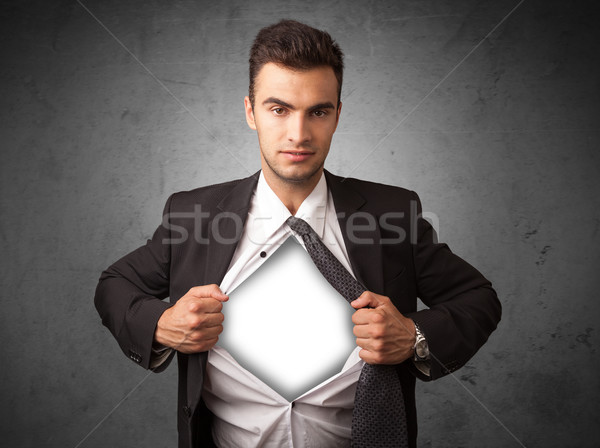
(366,299)
(212,291)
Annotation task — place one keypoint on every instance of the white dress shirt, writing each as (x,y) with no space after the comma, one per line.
(247,411)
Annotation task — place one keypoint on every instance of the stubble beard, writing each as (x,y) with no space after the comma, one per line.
(298,179)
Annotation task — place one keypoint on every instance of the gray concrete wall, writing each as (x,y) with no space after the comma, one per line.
(499,136)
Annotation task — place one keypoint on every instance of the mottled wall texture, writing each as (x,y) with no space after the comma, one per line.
(488,109)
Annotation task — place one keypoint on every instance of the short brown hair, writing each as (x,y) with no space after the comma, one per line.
(297,46)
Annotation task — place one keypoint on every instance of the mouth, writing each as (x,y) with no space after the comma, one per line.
(297,156)
(298,153)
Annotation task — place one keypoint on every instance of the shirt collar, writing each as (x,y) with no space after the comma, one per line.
(271,212)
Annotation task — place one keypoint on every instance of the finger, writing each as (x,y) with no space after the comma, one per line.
(362,317)
(368,356)
(369,316)
(203,346)
(362,332)
(208,291)
(205,305)
(206,320)
(206,334)
(371,345)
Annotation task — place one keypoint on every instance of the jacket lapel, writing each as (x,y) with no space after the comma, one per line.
(364,248)
(224,230)
(226,227)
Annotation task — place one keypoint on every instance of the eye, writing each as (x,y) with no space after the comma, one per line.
(319,113)
(278,110)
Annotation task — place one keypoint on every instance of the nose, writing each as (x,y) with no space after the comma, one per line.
(298,129)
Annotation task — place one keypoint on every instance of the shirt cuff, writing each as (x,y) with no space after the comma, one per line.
(159,356)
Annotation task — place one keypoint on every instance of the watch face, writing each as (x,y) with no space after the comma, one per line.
(422,349)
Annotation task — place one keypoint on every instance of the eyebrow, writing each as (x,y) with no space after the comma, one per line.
(273,100)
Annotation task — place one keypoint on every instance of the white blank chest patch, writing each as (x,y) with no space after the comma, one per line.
(287,325)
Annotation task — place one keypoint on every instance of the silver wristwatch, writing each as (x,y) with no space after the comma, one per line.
(421,347)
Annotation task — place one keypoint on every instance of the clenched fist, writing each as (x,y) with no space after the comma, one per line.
(383,333)
(194,323)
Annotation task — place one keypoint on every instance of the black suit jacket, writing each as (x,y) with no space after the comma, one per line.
(393,252)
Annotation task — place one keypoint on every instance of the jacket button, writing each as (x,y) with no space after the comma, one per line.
(135,356)
(187,411)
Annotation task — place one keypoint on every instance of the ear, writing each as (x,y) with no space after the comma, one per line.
(338,112)
(249,113)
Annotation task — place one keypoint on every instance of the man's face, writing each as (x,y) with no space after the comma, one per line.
(295,114)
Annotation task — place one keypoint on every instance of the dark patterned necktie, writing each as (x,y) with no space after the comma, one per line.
(379,417)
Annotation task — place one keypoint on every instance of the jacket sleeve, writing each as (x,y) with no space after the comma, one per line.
(463,307)
(129,296)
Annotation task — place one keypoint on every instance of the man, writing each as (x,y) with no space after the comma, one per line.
(294,105)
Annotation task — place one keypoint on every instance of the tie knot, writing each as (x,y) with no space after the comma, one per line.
(299,226)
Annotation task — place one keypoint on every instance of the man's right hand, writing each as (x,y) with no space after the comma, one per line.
(194,323)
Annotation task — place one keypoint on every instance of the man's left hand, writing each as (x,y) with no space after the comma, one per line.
(383,333)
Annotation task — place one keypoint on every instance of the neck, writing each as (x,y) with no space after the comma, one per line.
(292,194)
